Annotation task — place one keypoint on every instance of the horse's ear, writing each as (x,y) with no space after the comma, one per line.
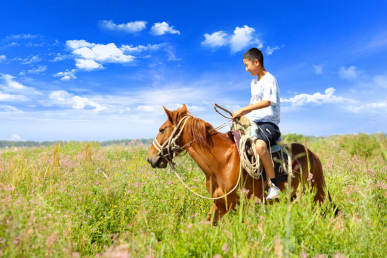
(184,109)
(169,114)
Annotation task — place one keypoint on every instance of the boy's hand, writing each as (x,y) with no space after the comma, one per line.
(238,114)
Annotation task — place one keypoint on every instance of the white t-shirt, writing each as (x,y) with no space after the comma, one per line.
(265,89)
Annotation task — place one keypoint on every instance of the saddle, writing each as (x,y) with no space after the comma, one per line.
(279,152)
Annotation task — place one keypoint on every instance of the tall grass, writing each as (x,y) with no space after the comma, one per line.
(80,199)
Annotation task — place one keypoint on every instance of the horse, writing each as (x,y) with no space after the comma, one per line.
(217,156)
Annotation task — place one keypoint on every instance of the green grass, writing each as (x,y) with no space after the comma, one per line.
(84,199)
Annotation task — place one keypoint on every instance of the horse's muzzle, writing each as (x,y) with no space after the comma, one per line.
(157,162)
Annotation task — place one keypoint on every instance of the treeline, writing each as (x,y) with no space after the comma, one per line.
(10,144)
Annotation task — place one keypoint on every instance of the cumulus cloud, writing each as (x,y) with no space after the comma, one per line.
(87,64)
(316,98)
(161,28)
(108,53)
(66,75)
(349,73)
(64,98)
(240,39)
(129,27)
(75,44)
(91,56)
(216,39)
(2,58)
(318,69)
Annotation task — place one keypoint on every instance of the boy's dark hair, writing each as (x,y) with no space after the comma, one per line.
(254,53)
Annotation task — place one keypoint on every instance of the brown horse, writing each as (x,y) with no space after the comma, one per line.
(217,155)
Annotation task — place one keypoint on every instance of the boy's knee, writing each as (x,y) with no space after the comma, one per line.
(260,146)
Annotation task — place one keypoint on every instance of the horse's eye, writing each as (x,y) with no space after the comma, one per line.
(162,130)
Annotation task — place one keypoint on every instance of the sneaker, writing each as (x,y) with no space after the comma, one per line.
(273,192)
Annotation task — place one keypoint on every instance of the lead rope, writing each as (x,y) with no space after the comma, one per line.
(170,145)
(202,196)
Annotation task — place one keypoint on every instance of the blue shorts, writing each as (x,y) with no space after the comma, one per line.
(265,131)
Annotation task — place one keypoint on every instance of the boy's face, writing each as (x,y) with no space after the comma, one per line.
(253,67)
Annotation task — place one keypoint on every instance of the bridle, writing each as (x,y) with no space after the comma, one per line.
(170,148)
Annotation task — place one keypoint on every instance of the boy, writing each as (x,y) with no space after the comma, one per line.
(263,112)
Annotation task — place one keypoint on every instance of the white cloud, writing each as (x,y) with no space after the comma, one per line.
(75,44)
(161,28)
(316,98)
(64,98)
(11,97)
(2,58)
(87,64)
(270,50)
(349,73)
(91,56)
(66,75)
(39,69)
(129,27)
(318,69)
(60,57)
(140,48)
(30,60)
(147,108)
(368,107)
(241,38)
(216,39)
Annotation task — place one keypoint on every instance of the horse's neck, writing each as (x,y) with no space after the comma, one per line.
(211,159)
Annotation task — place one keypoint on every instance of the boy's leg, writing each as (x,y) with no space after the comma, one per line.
(261,148)
(266,159)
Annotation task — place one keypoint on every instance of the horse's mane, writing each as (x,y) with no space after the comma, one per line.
(199,130)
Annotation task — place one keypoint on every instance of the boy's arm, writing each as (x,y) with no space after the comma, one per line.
(250,107)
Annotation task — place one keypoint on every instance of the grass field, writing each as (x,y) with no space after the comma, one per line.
(80,199)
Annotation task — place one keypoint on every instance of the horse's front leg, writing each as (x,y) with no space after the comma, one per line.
(221,206)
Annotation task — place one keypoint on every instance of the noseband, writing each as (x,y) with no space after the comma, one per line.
(169,148)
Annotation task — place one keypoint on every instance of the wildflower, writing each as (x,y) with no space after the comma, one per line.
(245,191)
(310,177)
(225,248)
(278,247)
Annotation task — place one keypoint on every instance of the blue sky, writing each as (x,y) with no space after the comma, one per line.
(101,70)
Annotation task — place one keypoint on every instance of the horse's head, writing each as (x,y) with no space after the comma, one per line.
(167,143)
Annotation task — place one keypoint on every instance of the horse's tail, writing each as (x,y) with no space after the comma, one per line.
(311,169)
(317,178)
(318,182)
